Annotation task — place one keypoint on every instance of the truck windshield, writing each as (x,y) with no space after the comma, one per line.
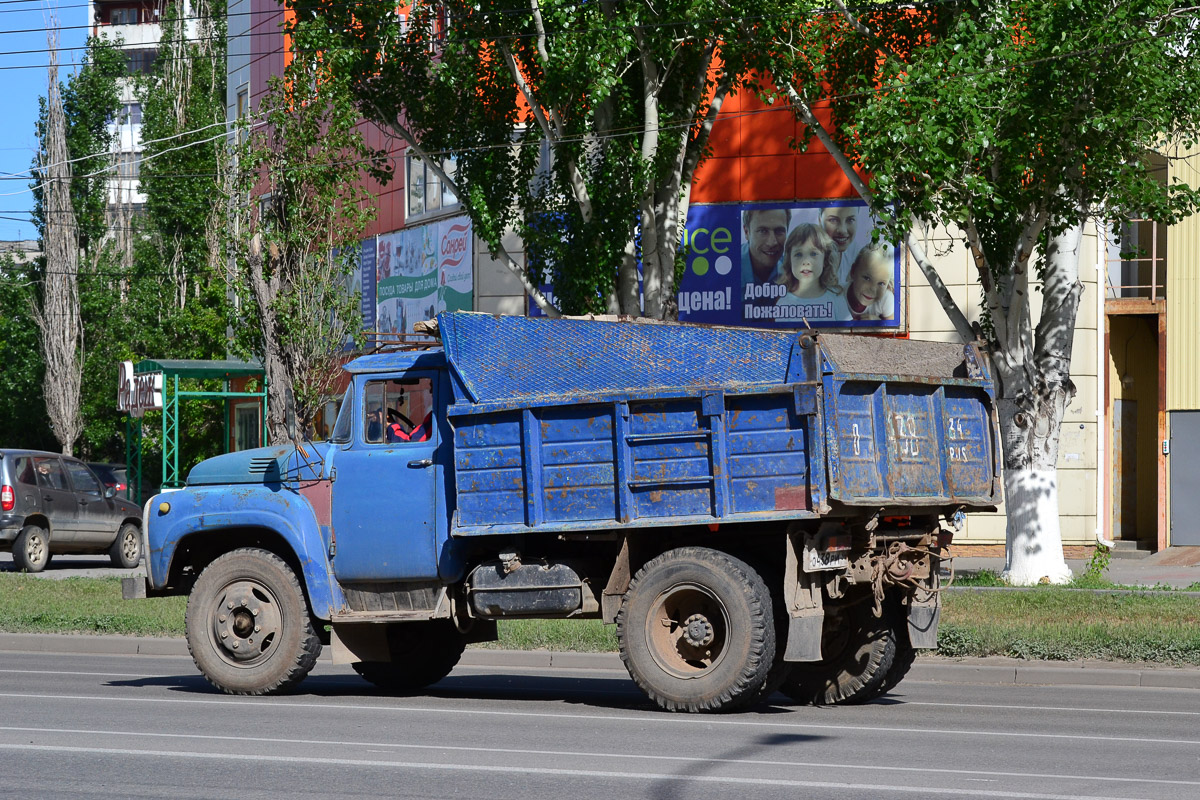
(341,427)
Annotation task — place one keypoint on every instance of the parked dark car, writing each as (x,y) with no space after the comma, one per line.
(116,476)
(51,503)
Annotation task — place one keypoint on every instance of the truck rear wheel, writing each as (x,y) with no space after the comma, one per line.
(696,631)
(248,626)
(422,653)
(859,650)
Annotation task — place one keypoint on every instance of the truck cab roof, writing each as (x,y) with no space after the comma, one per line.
(398,361)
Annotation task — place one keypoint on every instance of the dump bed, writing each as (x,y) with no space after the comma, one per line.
(589,424)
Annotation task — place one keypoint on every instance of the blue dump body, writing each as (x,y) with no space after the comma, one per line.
(603,425)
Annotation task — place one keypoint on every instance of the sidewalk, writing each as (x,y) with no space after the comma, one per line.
(1176,566)
(992,670)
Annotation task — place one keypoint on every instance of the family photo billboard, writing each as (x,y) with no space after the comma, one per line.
(790,265)
(422,271)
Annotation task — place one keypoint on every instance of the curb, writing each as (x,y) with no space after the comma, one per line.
(933,669)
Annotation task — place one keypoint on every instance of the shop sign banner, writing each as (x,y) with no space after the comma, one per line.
(366,275)
(421,272)
(138,393)
(789,265)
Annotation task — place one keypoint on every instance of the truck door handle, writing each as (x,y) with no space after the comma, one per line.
(421,463)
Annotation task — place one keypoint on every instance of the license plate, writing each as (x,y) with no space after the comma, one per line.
(816,560)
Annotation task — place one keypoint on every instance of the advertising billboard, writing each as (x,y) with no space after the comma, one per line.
(422,271)
(789,265)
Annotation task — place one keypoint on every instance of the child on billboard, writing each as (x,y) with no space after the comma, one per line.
(870,294)
(810,260)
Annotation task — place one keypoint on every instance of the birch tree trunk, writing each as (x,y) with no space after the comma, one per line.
(281,415)
(1036,389)
(58,320)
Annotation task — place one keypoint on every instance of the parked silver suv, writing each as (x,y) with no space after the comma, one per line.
(50,503)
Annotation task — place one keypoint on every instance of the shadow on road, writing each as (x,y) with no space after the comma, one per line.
(616,693)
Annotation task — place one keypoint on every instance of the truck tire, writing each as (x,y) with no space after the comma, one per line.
(859,650)
(126,550)
(31,549)
(248,626)
(696,631)
(422,654)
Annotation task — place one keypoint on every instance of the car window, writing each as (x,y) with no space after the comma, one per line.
(50,473)
(23,469)
(83,479)
(107,475)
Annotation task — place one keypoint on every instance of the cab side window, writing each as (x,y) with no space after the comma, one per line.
(83,479)
(398,411)
(50,474)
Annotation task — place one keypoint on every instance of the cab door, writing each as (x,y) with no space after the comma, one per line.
(384,505)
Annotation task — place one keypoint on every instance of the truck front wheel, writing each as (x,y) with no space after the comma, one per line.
(696,631)
(248,626)
(859,650)
(422,653)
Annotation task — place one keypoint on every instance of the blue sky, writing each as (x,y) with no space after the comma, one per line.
(20,89)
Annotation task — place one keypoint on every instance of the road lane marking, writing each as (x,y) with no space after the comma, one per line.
(572,773)
(658,717)
(1002,707)
(384,746)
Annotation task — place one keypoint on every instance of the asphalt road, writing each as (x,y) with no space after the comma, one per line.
(76,566)
(89,725)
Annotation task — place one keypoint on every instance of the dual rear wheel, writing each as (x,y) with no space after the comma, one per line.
(698,631)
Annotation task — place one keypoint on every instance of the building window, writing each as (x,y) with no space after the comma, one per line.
(243,111)
(426,193)
(1136,260)
(129,166)
(131,113)
(141,61)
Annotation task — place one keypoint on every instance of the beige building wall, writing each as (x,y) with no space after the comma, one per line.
(1183,294)
(497,289)
(1078,493)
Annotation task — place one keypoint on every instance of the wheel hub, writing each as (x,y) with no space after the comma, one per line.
(686,630)
(698,631)
(245,622)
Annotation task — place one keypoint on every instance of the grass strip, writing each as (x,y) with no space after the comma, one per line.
(1038,623)
(83,605)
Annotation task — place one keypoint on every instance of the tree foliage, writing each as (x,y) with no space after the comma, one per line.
(178,279)
(299,211)
(91,102)
(579,125)
(1008,123)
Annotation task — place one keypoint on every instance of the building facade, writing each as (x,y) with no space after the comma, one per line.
(1130,435)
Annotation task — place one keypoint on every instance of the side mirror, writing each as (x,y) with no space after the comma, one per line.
(109,492)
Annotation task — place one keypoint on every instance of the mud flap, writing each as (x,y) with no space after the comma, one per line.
(804,637)
(806,612)
(923,623)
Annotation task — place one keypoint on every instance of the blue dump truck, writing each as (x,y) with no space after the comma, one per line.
(754,510)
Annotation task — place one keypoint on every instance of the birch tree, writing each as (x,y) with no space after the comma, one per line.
(1009,123)
(57,315)
(578,125)
(299,210)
